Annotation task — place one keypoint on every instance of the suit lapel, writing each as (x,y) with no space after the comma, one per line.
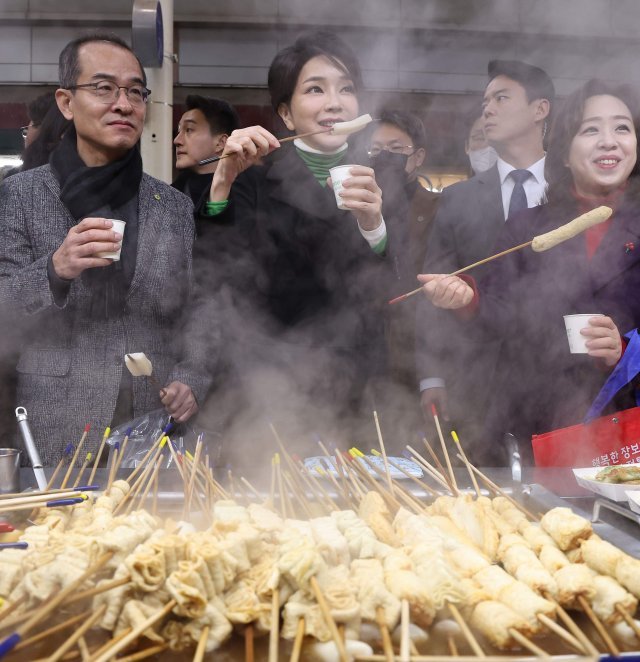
(489,207)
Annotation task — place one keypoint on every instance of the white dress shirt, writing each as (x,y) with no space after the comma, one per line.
(534,187)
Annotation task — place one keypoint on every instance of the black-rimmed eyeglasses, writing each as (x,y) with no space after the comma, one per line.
(107,92)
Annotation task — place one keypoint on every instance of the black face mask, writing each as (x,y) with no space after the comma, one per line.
(387,163)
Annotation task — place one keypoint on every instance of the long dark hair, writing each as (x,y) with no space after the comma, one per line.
(566,126)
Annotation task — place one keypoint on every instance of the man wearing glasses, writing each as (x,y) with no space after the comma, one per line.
(84,311)
(397,151)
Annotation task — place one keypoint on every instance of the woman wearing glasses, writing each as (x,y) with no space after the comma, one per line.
(307,278)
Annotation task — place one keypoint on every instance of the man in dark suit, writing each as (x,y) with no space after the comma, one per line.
(83,311)
(456,367)
(202,132)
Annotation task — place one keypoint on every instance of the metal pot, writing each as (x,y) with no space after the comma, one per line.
(9,470)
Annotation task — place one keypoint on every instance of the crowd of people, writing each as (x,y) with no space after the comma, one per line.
(261,300)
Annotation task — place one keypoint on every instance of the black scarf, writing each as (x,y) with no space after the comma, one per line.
(86,190)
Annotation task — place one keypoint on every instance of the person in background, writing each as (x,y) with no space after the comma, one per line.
(50,132)
(523,296)
(456,366)
(82,312)
(37,110)
(481,154)
(397,151)
(202,132)
(306,278)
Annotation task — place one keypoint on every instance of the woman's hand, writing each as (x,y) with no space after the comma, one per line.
(246,147)
(363,196)
(449,292)
(604,340)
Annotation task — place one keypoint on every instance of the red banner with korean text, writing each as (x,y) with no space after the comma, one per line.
(613,439)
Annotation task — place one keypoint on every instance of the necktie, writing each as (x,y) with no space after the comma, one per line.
(518,196)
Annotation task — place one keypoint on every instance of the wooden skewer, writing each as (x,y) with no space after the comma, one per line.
(105,436)
(342,486)
(85,654)
(156,485)
(306,507)
(38,498)
(402,297)
(123,448)
(528,644)
(472,476)
(215,159)
(387,646)
(102,588)
(297,643)
(45,609)
(274,630)
(144,654)
(573,627)
(49,631)
(83,468)
(405,651)
(65,480)
(111,642)
(135,633)
(417,481)
(10,608)
(194,472)
(326,612)
(112,471)
(55,473)
(202,642)
(497,490)
(248,644)
(150,482)
(561,632)
(453,649)
(147,455)
(70,642)
(438,464)
(383,451)
(629,620)
(429,469)
(597,623)
(468,635)
(445,452)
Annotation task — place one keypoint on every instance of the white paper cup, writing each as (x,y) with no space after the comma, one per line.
(338,175)
(574,323)
(118,226)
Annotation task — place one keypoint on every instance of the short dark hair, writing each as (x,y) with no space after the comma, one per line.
(221,116)
(411,124)
(39,107)
(69,65)
(287,64)
(535,81)
(566,126)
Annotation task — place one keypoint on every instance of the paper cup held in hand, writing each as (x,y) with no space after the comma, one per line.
(118,226)
(338,175)
(574,324)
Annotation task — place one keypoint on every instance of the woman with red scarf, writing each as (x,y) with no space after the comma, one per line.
(592,161)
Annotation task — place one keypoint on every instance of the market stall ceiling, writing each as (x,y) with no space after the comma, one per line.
(588,18)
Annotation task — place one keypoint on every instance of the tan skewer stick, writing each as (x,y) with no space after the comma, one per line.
(297,643)
(202,642)
(135,633)
(597,623)
(274,630)
(71,641)
(144,654)
(326,612)
(387,646)
(540,243)
(468,635)
(65,480)
(405,650)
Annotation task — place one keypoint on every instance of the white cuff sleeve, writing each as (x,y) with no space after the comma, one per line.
(433,382)
(374,237)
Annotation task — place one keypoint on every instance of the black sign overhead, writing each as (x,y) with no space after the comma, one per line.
(146,32)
